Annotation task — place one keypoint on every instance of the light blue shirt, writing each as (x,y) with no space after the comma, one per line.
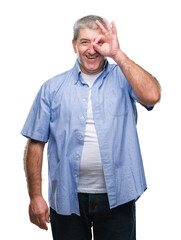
(58,116)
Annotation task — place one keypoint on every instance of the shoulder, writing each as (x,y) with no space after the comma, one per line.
(58,80)
(114,69)
(51,86)
(116,75)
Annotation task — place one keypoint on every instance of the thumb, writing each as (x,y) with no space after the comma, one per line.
(99,41)
(47,217)
(97,47)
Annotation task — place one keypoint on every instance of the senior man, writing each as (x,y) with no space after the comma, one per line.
(88,117)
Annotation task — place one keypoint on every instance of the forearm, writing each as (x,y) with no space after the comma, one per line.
(33,165)
(145,86)
(38,208)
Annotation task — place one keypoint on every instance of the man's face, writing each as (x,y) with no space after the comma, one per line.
(91,62)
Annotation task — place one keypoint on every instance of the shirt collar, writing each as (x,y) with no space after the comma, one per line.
(76,70)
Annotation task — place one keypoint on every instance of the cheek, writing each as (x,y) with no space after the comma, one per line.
(81,49)
(79,53)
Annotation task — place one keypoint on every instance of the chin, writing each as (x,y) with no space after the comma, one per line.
(93,70)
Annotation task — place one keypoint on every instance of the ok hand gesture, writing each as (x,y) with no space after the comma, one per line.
(107,43)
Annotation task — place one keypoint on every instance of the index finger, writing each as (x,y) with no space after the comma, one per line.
(101,27)
(99,38)
(107,24)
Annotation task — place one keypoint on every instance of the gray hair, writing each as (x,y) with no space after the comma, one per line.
(86,22)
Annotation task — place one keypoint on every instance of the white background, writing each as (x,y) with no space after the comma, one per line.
(35,45)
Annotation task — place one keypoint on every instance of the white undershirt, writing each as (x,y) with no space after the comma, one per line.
(91,176)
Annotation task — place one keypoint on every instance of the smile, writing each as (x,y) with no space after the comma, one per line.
(92,57)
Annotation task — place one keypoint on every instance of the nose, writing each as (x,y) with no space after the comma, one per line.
(91,49)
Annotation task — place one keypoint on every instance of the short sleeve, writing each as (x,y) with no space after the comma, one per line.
(133,95)
(38,120)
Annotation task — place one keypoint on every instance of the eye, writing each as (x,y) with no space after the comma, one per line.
(100,43)
(85,43)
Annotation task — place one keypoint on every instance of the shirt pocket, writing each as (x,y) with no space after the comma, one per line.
(117,102)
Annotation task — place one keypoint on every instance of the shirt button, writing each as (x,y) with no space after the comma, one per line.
(76,175)
(83,99)
(77,156)
(82,117)
(80,137)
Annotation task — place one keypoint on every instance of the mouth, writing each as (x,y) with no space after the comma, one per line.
(92,57)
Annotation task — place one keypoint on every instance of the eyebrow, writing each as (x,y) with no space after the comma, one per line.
(84,39)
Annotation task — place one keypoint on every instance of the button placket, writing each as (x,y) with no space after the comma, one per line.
(77,157)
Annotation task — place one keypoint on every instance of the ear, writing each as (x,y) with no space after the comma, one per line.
(74,46)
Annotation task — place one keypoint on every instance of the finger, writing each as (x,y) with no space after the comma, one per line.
(43,224)
(114,31)
(101,27)
(96,47)
(100,39)
(47,217)
(36,221)
(39,221)
(108,26)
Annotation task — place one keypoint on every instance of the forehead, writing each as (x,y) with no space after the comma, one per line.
(88,33)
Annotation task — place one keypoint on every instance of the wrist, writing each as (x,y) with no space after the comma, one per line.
(120,57)
(35,195)
(36,198)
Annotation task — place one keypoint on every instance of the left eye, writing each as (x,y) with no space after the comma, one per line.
(100,43)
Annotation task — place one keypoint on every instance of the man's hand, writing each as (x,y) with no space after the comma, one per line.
(146,88)
(107,43)
(39,212)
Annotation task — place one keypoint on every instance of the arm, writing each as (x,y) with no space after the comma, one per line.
(144,85)
(33,157)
